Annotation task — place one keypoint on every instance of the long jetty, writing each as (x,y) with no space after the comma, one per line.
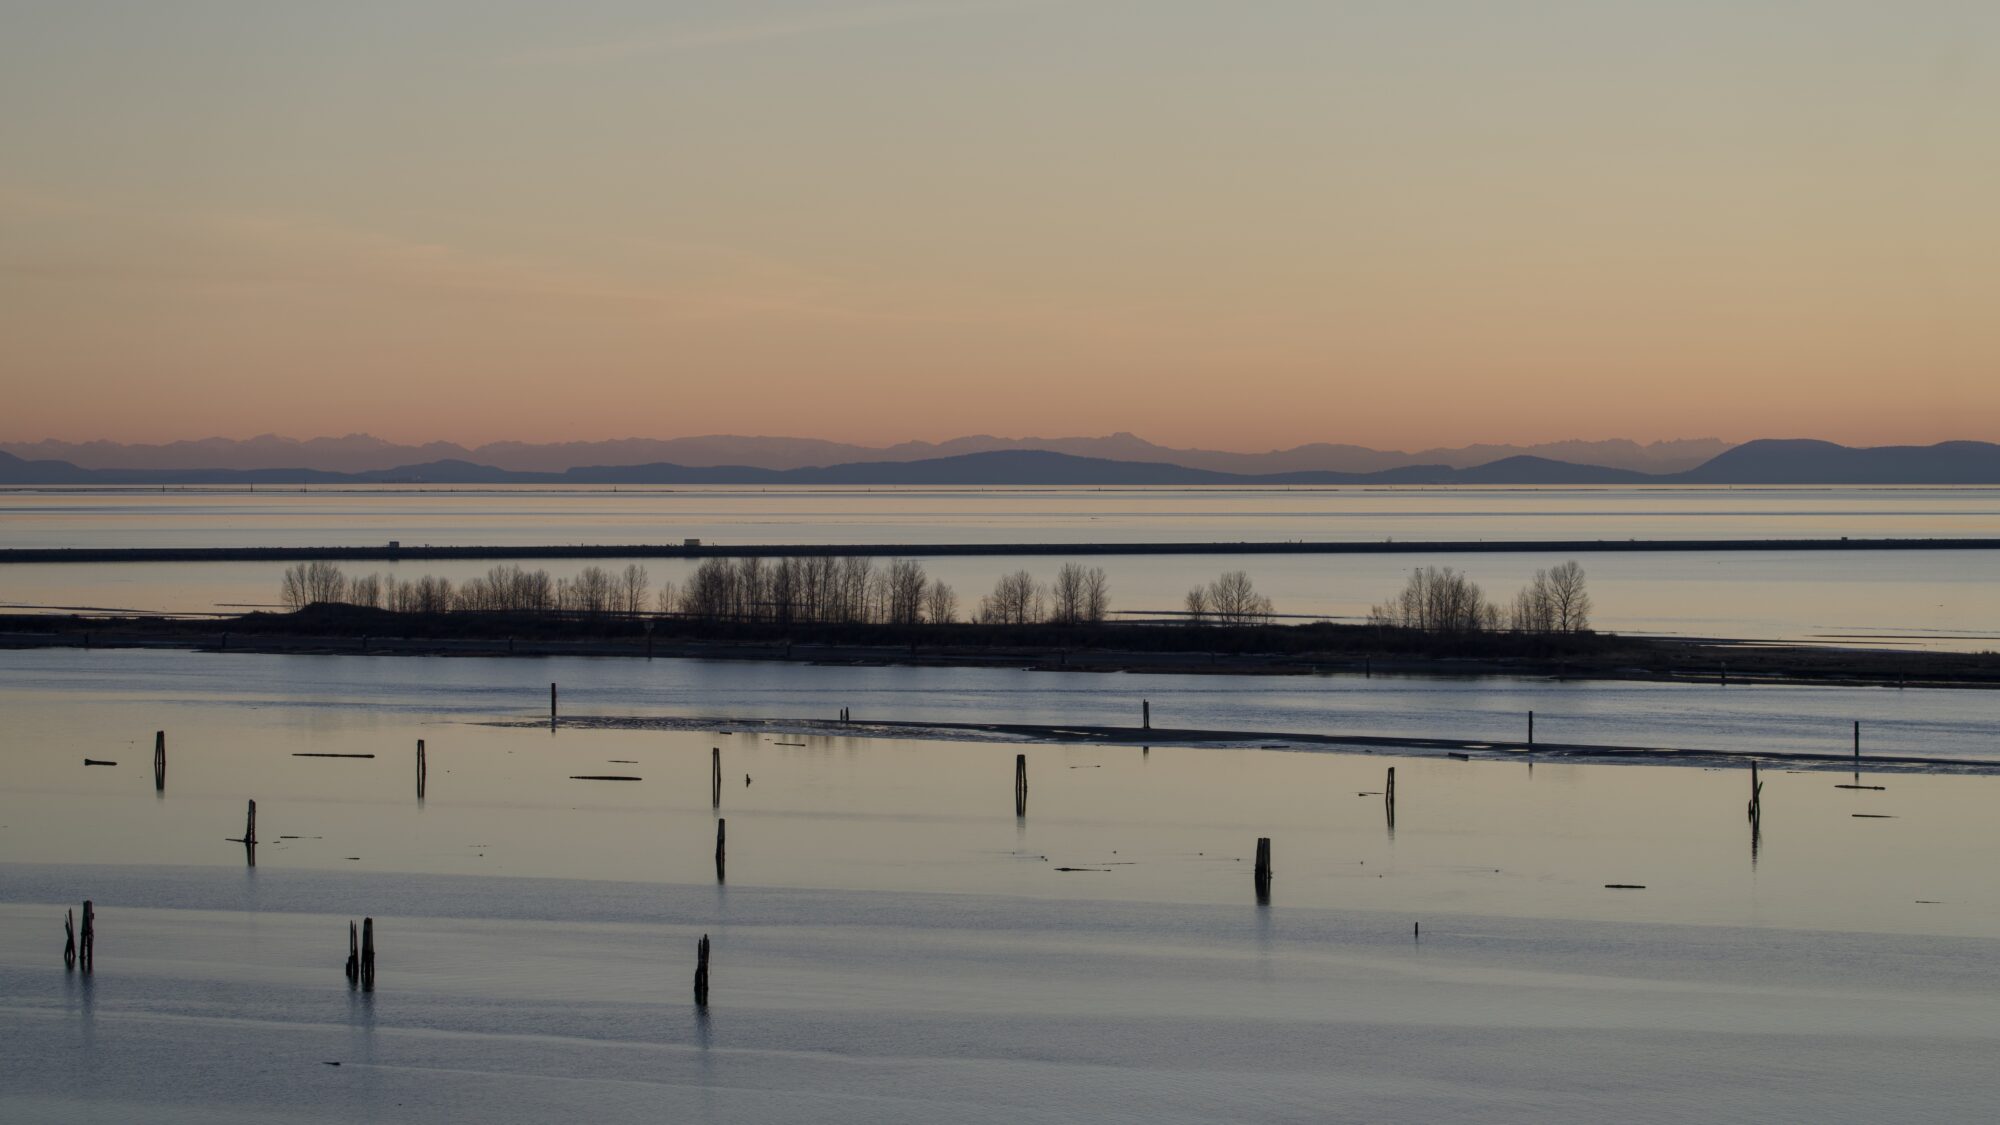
(692,550)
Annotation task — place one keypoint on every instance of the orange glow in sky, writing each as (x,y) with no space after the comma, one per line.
(1248,226)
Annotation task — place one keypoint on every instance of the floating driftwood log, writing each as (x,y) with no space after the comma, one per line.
(324,754)
(604,777)
(1624,886)
(97,762)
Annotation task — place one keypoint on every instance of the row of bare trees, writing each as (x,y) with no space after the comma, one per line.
(503,589)
(1444,601)
(821,588)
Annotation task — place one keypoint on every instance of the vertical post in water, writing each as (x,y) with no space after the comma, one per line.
(1146,714)
(353,955)
(715,777)
(159,761)
(1263,869)
(721,852)
(368,955)
(1531,728)
(421,770)
(1857,745)
(1725,673)
(250,825)
(1020,785)
(552,702)
(87,952)
(69,940)
(701,973)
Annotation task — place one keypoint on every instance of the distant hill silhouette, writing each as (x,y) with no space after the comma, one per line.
(1758,462)
(364,453)
(1797,461)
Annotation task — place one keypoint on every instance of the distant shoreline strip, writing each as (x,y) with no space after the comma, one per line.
(387,553)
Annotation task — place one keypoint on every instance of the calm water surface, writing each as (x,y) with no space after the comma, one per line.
(894,944)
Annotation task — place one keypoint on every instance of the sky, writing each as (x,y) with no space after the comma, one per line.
(1247,225)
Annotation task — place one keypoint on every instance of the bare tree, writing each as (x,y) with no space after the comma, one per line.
(665,601)
(1570,599)
(1017,599)
(1066,595)
(311,583)
(366,591)
(904,594)
(1234,600)
(941,604)
(1096,595)
(591,591)
(1197,606)
(633,585)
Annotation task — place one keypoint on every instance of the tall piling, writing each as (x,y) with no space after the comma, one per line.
(353,954)
(1756,792)
(86,954)
(721,847)
(701,973)
(715,777)
(1146,714)
(1531,728)
(1263,872)
(1020,785)
(368,955)
(1857,744)
(421,769)
(159,761)
(69,940)
(552,702)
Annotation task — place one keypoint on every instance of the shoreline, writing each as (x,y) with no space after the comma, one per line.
(1282,650)
(1411,746)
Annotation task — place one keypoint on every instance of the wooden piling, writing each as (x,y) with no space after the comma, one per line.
(721,850)
(159,761)
(1020,785)
(715,777)
(1756,792)
(86,955)
(1531,728)
(250,825)
(1857,744)
(368,955)
(552,702)
(1146,714)
(353,954)
(69,940)
(1263,873)
(701,973)
(421,769)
